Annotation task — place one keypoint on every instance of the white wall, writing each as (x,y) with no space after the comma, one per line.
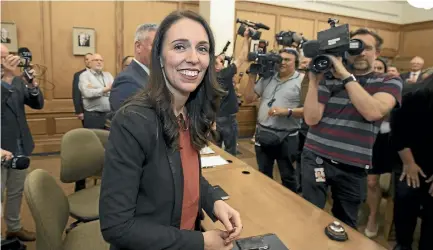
(220,15)
(397,12)
(414,15)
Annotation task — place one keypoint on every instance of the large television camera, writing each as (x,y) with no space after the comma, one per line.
(288,38)
(255,35)
(264,64)
(334,41)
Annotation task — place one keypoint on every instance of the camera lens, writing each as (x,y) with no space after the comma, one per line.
(322,63)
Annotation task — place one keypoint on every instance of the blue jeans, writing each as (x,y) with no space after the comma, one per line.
(227,127)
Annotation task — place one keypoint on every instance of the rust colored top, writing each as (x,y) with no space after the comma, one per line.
(191,172)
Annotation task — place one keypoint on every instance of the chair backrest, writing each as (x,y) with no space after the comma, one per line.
(82,155)
(49,208)
(102,135)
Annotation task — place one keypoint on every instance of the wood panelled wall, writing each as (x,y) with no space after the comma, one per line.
(309,23)
(47,33)
(415,39)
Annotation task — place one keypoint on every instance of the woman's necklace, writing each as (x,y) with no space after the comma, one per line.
(181,120)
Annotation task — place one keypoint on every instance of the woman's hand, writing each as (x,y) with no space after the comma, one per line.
(215,240)
(230,218)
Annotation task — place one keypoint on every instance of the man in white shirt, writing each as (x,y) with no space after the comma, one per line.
(414,75)
(95,86)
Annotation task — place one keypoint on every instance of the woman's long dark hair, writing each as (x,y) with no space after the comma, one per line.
(202,104)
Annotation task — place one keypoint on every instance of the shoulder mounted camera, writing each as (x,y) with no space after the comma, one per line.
(288,38)
(264,64)
(334,41)
(255,35)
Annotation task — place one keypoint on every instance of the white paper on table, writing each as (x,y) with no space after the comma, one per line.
(206,151)
(212,161)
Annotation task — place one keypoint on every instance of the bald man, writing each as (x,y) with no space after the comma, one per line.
(414,75)
(95,86)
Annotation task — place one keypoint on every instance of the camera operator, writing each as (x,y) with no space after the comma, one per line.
(344,115)
(16,139)
(226,124)
(278,117)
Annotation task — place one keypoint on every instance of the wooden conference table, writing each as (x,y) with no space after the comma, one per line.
(268,207)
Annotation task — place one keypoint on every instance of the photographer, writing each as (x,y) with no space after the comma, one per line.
(226,123)
(278,117)
(16,139)
(344,116)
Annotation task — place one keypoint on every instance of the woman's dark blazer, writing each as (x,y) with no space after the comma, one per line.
(140,204)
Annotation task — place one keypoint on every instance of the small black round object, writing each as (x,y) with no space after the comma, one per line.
(322,63)
(229,161)
(246,172)
(335,231)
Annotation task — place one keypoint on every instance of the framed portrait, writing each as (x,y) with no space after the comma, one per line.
(83,40)
(9,36)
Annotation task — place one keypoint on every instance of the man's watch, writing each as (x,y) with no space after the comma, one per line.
(350,78)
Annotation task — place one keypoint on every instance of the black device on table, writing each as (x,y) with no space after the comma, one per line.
(220,192)
(260,242)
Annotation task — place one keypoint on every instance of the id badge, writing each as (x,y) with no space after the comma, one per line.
(319,174)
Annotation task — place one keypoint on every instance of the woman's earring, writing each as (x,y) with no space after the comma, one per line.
(160,62)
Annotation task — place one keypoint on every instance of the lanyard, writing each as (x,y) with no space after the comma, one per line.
(99,77)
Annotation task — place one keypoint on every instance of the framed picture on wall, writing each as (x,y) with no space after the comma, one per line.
(83,40)
(9,36)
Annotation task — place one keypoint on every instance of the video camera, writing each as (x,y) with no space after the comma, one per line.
(287,38)
(265,64)
(334,41)
(19,162)
(255,35)
(25,60)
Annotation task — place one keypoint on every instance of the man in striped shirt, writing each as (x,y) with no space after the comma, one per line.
(344,116)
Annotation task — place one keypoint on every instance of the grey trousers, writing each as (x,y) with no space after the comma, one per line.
(12,181)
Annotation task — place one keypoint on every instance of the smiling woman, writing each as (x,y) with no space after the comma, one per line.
(152,190)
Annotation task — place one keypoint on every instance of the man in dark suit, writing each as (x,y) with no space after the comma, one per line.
(414,76)
(76,93)
(136,75)
(16,139)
